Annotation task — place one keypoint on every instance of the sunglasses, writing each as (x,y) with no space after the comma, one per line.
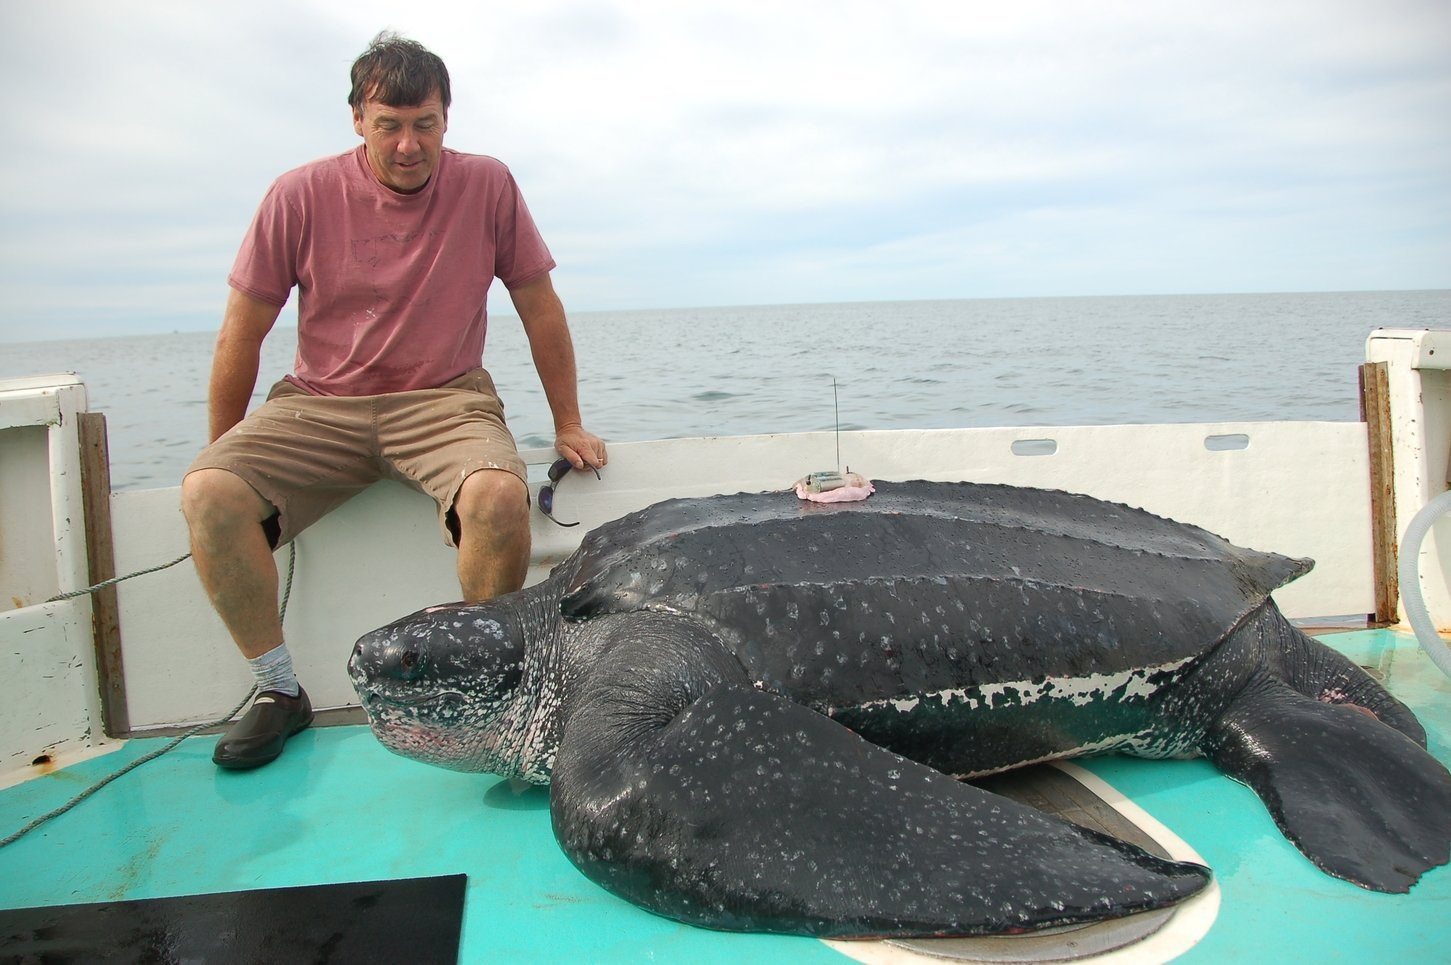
(556,472)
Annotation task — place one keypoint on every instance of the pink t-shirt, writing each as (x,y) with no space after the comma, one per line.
(391,287)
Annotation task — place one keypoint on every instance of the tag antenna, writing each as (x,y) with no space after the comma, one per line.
(836,412)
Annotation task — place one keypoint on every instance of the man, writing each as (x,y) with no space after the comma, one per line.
(392,247)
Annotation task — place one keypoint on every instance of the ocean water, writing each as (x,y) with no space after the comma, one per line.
(920,364)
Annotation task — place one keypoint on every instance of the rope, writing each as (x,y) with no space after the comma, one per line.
(125,770)
(281,615)
(287,588)
(114,580)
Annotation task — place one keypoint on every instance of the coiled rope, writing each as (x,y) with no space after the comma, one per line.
(153,755)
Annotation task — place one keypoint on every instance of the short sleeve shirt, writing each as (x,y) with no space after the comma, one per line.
(391,287)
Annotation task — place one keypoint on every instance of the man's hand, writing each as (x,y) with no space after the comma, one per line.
(580,447)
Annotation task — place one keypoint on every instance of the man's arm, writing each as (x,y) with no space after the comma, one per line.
(234,363)
(542,313)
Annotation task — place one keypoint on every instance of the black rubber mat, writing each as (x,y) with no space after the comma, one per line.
(408,920)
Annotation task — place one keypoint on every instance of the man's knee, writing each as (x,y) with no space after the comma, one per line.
(493,499)
(216,497)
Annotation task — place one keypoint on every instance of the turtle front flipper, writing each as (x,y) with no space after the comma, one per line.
(1358,797)
(682,788)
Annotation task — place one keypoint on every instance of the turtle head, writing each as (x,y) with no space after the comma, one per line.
(440,686)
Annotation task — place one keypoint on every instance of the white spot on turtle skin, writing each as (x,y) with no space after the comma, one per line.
(1080,691)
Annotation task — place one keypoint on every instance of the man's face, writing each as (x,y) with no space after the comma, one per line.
(403,143)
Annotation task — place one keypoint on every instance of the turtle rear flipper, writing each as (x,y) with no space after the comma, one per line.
(1360,799)
(682,788)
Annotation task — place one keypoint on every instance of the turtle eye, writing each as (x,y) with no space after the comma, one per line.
(408,663)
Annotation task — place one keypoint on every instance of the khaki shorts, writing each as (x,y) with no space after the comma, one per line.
(308,454)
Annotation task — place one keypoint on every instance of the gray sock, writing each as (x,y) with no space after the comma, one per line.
(273,671)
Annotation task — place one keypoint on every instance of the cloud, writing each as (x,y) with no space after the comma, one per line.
(716,153)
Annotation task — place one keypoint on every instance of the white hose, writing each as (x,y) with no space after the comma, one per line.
(1410,577)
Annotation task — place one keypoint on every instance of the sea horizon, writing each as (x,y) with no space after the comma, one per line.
(289,309)
(746,370)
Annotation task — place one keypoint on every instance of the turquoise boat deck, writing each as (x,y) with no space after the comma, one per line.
(337,807)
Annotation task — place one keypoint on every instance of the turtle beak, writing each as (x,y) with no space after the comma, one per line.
(463,649)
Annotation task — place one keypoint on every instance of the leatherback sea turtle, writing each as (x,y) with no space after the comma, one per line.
(751,709)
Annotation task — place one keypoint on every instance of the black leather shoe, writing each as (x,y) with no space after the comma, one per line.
(258,737)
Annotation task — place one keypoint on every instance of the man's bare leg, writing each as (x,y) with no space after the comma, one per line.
(492,508)
(237,570)
(232,557)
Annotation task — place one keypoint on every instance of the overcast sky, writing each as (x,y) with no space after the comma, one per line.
(689,154)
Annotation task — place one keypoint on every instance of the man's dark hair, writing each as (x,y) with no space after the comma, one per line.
(399,73)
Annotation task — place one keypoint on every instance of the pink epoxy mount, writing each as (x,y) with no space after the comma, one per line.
(831,487)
